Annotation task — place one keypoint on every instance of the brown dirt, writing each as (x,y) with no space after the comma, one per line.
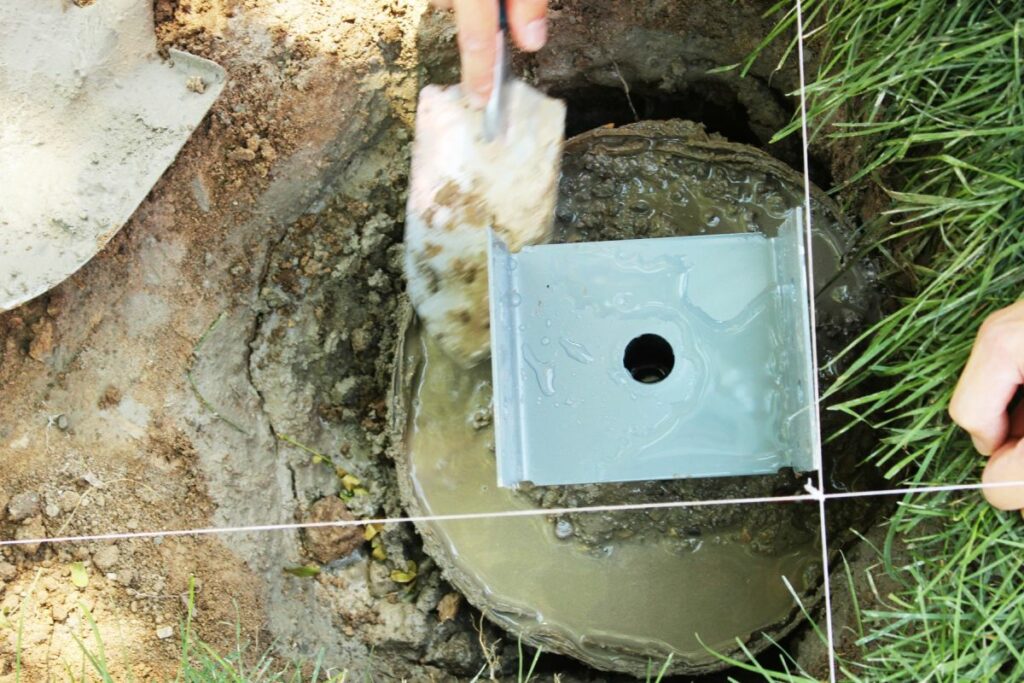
(108,350)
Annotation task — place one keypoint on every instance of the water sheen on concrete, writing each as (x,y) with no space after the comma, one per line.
(618,589)
(630,597)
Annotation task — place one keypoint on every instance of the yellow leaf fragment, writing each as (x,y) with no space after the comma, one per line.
(406,576)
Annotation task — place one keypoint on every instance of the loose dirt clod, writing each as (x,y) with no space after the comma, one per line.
(42,340)
(448,607)
(326,544)
(106,558)
(32,528)
(68,500)
(23,505)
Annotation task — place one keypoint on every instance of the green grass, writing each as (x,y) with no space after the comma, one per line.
(927,95)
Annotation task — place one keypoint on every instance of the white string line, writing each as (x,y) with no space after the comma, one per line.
(381,521)
(804,145)
(826,571)
(914,490)
(815,404)
(813,494)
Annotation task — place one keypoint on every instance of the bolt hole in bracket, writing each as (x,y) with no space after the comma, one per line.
(649,359)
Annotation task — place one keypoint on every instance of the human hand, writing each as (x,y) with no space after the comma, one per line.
(981,403)
(477,24)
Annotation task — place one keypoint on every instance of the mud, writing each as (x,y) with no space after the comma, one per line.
(226,359)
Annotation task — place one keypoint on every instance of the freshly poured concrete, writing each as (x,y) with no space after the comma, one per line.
(611,605)
(617,589)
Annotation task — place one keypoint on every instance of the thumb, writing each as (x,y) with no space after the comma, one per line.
(477,25)
(1005,465)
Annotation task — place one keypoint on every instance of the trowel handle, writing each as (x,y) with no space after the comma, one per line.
(494,111)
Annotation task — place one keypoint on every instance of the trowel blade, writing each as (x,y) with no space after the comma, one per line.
(461,185)
(90,117)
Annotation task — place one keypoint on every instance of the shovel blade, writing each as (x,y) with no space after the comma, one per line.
(90,117)
(461,185)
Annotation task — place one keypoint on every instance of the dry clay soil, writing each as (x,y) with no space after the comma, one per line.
(250,305)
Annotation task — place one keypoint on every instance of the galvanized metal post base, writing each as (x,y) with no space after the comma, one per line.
(652,359)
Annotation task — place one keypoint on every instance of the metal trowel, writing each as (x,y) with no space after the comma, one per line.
(90,117)
(473,171)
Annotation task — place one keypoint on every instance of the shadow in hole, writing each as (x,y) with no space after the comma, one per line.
(712,103)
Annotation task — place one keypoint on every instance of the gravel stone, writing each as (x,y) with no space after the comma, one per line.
(23,505)
(326,544)
(106,558)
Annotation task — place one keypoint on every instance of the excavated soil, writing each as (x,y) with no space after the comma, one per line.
(225,360)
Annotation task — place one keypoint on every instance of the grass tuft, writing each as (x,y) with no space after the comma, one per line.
(927,95)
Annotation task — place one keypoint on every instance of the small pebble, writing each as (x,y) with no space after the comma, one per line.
(164,632)
(23,506)
(563,529)
(106,558)
(59,611)
(92,479)
(68,500)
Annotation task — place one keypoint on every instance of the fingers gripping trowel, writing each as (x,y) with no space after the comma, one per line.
(472,171)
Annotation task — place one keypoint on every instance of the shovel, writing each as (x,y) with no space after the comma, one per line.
(473,171)
(90,117)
